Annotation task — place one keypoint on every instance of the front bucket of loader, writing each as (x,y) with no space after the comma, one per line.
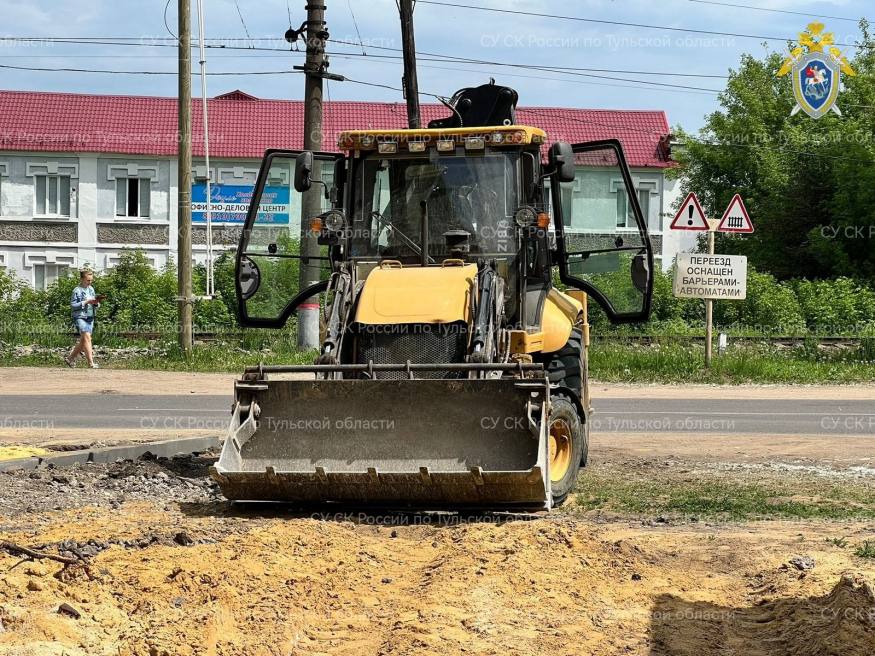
(423,443)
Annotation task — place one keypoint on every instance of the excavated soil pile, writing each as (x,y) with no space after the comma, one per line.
(187,574)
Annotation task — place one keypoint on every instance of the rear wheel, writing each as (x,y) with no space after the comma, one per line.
(563,366)
(567,441)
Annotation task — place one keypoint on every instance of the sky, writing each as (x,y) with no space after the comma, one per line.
(256,28)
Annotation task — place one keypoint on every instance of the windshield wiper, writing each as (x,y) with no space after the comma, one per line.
(407,240)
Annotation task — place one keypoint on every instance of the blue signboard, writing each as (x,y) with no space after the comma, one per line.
(229,204)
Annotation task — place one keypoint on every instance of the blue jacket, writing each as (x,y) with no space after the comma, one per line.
(77,302)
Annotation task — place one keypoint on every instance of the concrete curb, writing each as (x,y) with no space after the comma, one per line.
(162,449)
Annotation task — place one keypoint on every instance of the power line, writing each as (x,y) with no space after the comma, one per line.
(774,11)
(599,21)
(535,67)
(242,22)
(450,58)
(540,77)
(117,72)
(356,25)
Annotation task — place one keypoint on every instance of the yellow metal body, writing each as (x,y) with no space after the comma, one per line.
(396,295)
(560,314)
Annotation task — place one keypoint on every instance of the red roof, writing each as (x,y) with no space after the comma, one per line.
(242,126)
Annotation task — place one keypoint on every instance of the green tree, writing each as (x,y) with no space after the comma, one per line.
(809,185)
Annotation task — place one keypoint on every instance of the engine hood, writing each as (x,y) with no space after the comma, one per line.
(396,295)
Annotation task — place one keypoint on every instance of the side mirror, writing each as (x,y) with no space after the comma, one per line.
(303,169)
(249,277)
(561,159)
(640,273)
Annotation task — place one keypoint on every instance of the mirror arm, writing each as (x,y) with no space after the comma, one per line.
(547,172)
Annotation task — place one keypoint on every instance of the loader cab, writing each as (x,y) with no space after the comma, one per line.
(447,197)
(438,198)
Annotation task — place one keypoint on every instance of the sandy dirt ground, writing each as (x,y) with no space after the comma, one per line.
(163,567)
(160,565)
(43,380)
(811,450)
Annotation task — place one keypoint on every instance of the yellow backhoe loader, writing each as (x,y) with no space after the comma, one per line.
(451,367)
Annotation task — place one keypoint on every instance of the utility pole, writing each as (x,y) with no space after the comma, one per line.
(184,291)
(311,206)
(409,81)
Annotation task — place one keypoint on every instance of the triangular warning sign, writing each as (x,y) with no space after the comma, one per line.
(735,218)
(690,216)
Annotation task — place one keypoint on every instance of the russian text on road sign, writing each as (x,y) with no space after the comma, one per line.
(735,218)
(715,277)
(690,216)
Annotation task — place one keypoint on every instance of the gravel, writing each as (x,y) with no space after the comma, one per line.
(179,479)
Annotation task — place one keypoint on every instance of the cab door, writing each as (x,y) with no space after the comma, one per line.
(279,262)
(602,242)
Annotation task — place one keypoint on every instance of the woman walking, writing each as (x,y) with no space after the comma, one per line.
(83,303)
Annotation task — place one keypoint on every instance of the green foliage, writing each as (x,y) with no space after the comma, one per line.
(771,307)
(809,185)
(673,361)
(840,306)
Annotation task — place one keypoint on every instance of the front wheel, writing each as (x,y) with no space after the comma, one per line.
(567,441)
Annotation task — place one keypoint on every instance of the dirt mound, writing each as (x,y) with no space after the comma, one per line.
(840,622)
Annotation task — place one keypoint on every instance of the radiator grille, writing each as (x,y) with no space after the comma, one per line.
(418,343)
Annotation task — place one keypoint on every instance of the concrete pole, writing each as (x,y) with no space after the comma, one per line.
(311,206)
(184,290)
(408,46)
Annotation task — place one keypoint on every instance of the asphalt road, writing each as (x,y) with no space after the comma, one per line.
(614,415)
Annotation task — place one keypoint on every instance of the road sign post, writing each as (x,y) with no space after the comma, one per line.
(711,277)
(709,312)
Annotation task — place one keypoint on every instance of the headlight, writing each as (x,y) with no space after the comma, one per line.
(525,217)
(333,221)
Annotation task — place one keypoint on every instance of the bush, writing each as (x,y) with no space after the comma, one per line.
(834,307)
(771,307)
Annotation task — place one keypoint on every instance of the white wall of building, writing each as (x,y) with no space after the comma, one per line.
(37,246)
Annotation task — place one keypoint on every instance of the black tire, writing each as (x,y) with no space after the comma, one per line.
(565,419)
(563,366)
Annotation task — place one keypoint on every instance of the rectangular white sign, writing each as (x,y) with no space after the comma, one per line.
(716,277)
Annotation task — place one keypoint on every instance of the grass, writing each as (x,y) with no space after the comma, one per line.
(866,550)
(684,363)
(669,361)
(714,495)
(227,356)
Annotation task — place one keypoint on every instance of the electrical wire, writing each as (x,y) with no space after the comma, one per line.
(242,22)
(774,11)
(117,72)
(166,25)
(356,25)
(599,21)
(423,56)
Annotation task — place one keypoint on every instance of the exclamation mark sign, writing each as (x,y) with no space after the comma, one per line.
(690,220)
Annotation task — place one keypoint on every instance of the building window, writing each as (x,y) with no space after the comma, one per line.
(625,217)
(132,197)
(644,202)
(52,195)
(45,274)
